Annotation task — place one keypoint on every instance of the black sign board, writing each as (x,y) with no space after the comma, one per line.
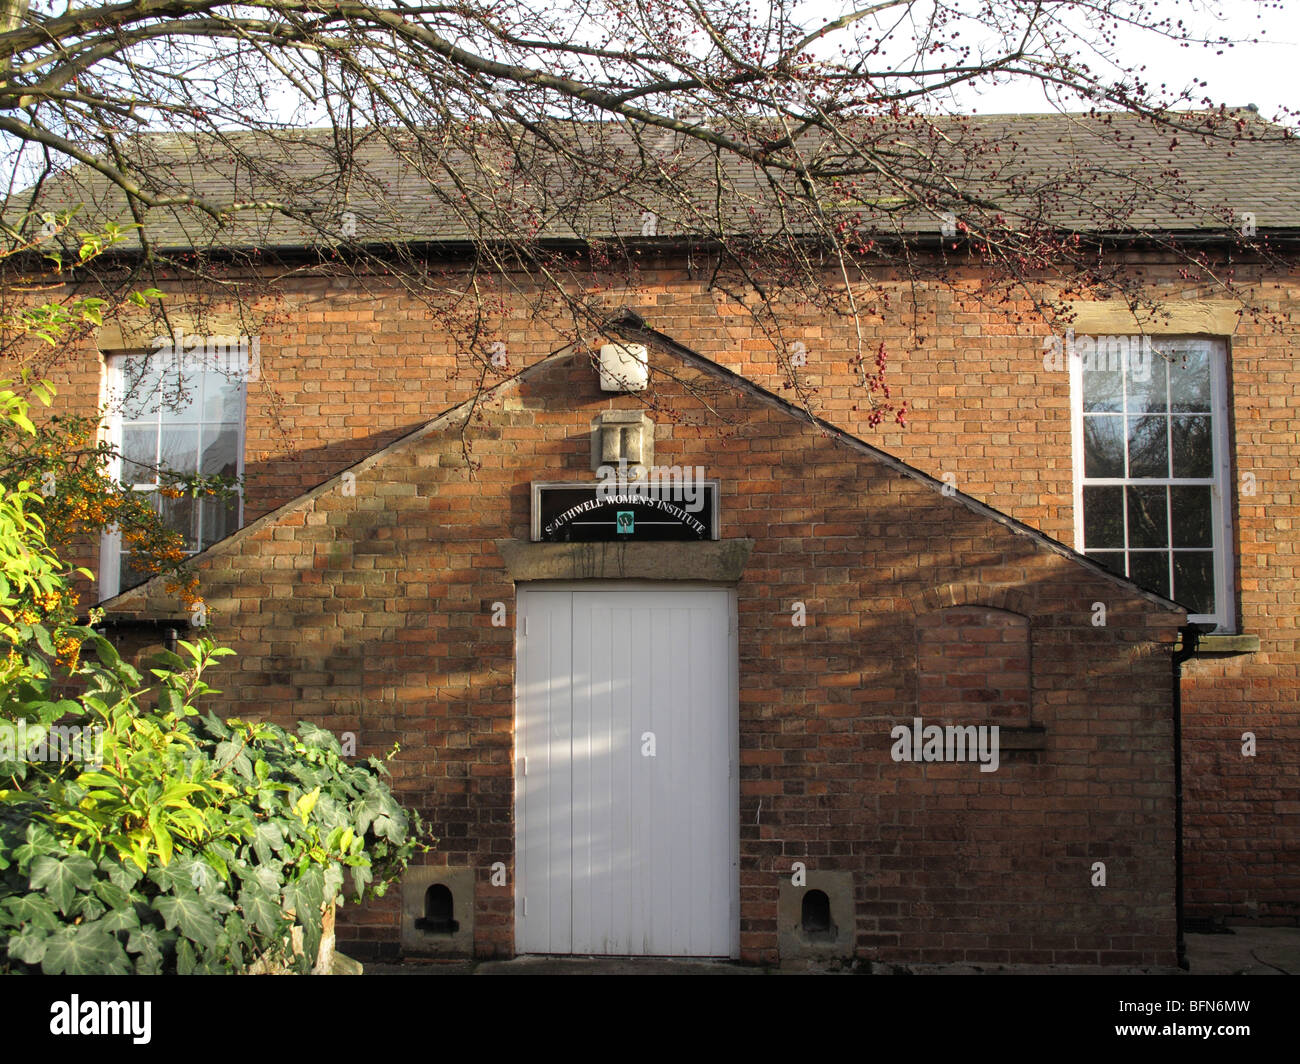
(635,511)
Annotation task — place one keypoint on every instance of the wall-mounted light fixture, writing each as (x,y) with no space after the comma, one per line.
(624,368)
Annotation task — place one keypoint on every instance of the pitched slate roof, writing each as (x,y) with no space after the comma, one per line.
(1104,174)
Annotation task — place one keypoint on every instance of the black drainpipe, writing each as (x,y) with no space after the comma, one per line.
(1190,635)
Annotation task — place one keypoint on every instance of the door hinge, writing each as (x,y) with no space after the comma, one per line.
(523,765)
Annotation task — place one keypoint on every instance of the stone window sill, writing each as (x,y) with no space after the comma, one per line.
(1224,644)
(1033,737)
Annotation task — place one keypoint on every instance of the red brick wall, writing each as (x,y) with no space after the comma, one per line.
(347,371)
(971,658)
(372,614)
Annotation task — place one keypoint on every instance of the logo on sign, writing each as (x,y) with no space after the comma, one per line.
(625,522)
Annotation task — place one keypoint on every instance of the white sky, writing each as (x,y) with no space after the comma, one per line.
(1266,74)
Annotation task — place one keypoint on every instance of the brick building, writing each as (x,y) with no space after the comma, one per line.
(847,581)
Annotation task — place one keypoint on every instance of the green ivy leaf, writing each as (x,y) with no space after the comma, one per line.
(186,963)
(146,941)
(230,756)
(318,738)
(62,879)
(374,806)
(84,950)
(112,895)
(333,882)
(267,839)
(33,910)
(269,876)
(307,897)
(213,722)
(187,912)
(361,877)
(176,876)
(87,907)
(235,934)
(123,875)
(260,908)
(28,944)
(330,815)
(120,919)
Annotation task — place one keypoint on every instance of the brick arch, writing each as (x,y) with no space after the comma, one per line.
(970,593)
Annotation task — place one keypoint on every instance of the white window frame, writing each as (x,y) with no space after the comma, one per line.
(1224,619)
(110,541)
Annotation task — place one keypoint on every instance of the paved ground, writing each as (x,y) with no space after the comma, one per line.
(1246,951)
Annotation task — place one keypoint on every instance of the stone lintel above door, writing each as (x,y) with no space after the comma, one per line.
(720,561)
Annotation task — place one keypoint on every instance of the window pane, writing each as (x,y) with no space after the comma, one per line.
(1103,382)
(139,455)
(1148,447)
(181,515)
(1144,373)
(220,519)
(1193,448)
(134,395)
(1103,446)
(180,393)
(1194,580)
(1189,380)
(1192,517)
(180,450)
(223,397)
(1103,517)
(1150,569)
(220,450)
(1111,559)
(129,574)
(1148,520)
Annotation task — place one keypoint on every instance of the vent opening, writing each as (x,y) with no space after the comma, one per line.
(438,910)
(815,913)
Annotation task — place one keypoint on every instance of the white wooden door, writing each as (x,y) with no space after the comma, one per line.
(626,736)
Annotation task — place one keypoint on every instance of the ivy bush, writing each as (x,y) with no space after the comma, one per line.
(171,841)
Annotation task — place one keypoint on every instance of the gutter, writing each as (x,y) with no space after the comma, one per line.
(1276,241)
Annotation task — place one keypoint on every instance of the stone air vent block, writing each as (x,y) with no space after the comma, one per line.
(816,920)
(438,912)
(626,436)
